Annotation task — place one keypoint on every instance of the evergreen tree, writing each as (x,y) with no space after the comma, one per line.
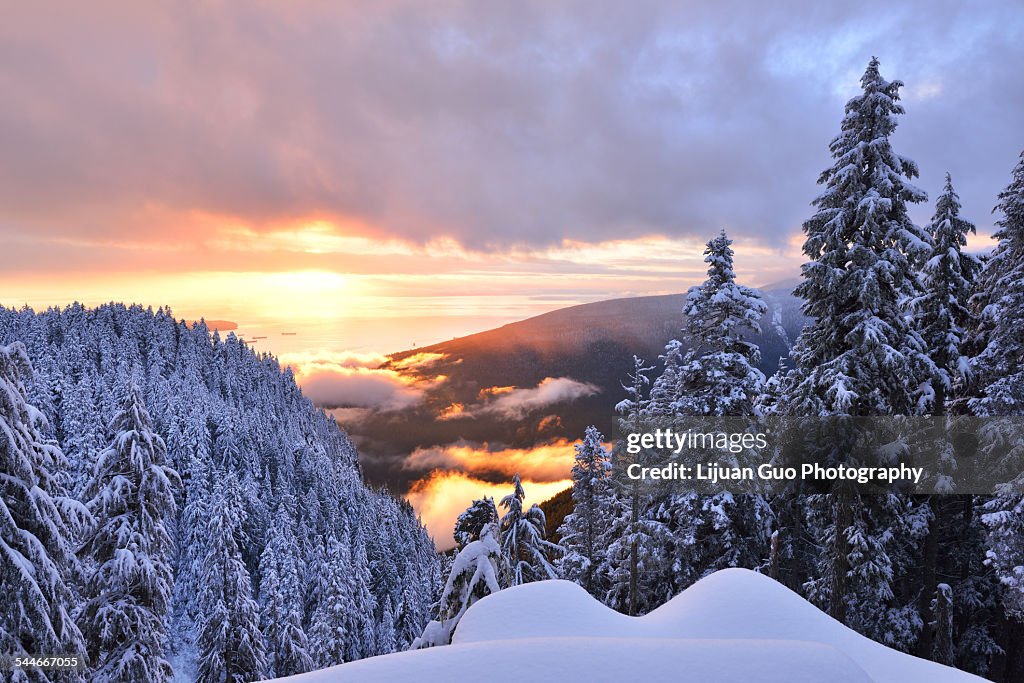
(522,539)
(943,317)
(360,620)
(131,496)
(718,377)
(665,389)
(329,629)
(997,367)
(942,312)
(998,394)
(718,374)
(230,642)
(860,355)
(474,575)
(773,392)
(999,374)
(36,525)
(944,652)
(629,533)
(582,529)
(80,428)
(281,601)
(472,521)
(386,637)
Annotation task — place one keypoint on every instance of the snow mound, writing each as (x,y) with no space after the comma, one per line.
(639,660)
(733,626)
(552,609)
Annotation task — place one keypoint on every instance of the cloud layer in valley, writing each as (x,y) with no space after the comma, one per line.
(358,380)
(513,403)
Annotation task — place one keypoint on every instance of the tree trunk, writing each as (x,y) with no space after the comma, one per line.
(945,651)
(773,562)
(843,516)
(930,560)
(634,517)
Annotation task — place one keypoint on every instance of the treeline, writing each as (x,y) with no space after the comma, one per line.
(171,501)
(902,322)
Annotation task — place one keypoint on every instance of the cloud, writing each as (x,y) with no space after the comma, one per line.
(452,412)
(442,496)
(488,392)
(418,361)
(360,388)
(354,381)
(543,463)
(486,125)
(549,422)
(513,403)
(307,362)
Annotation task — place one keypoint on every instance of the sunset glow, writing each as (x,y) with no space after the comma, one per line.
(343,181)
(319,279)
(440,498)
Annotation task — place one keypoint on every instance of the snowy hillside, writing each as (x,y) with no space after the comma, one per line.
(735,625)
(267,500)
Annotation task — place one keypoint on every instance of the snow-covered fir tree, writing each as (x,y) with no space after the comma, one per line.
(474,575)
(944,651)
(37,524)
(80,428)
(625,538)
(230,642)
(942,310)
(287,646)
(999,372)
(943,317)
(999,299)
(128,552)
(472,520)
(329,632)
(361,620)
(860,355)
(581,531)
(635,407)
(718,374)
(527,553)
(773,391)
(665,388)
(386,636)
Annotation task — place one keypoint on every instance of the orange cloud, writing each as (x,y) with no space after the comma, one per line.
(451,412)
(441,497)
(488,392)
(549,422)
(514,403)
(544,463)
(418,361)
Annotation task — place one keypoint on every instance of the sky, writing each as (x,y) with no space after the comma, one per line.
(374,176)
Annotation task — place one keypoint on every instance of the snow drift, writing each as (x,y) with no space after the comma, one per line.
(735,625)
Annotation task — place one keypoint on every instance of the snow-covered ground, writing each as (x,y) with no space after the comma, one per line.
(735,625)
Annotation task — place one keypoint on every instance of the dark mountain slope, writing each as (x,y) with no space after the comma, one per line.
(590,343)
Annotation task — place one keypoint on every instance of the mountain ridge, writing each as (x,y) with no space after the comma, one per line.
(588,346)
